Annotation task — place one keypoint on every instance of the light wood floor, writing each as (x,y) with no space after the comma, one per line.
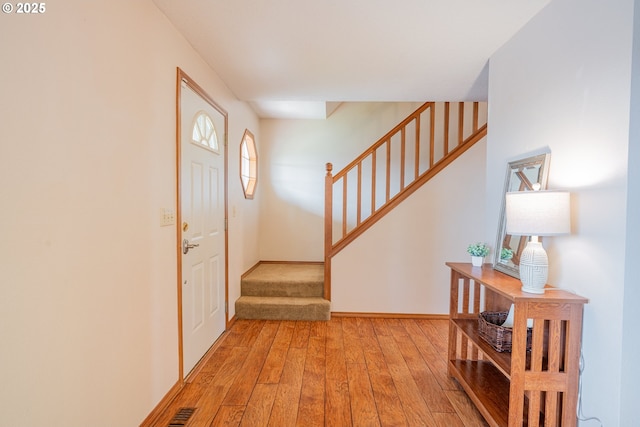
(344,372)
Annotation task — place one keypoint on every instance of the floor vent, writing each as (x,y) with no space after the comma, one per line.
(181,417)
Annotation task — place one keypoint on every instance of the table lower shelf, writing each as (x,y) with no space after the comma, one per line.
(487,387)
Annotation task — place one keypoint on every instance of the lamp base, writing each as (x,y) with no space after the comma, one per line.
(534,267)
(532,290)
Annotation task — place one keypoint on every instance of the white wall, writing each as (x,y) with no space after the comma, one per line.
(630,389)
(88,311)
(408,248)
(563,82)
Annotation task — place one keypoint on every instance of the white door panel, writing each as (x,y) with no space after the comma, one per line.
(202,217)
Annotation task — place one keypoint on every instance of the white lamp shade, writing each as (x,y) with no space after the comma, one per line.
(538,213)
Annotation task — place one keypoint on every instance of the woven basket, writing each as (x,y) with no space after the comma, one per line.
(499,337)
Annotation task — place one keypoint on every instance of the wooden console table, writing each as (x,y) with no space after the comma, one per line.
(522,388)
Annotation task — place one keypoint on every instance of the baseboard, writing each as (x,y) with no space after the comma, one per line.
(231,322)
(162,405)
(391,315)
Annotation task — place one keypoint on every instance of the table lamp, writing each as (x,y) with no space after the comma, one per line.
(536,213)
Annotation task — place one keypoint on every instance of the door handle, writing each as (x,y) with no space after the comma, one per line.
(186,246)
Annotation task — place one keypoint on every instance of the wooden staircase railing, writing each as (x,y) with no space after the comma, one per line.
(393,168)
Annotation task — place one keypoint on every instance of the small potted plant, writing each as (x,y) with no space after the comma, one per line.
(478,251)
(506,254)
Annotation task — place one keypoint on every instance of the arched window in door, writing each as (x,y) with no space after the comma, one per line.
(204,132)
(248,164)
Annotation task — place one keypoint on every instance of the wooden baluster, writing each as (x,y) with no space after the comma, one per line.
(416,173)
(460,123)
(475,117)
(359,195)
(447,119)
(344,205)
(388,146)
(402,159)
(373,181)
(328,229)
(432,135)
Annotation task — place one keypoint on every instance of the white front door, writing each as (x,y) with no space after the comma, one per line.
(202,223)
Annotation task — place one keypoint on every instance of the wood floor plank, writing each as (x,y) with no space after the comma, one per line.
(227,416)
(466,410)
(243,384)
(352,346)
(300,337)
(430,390)
(243,333)
(214,393)
(211,368)
(318,330)
(209,405)
(363,405)
(447,419)
(385,394)
(294,367)
(415,408)
(366,327)
(380,326)
(396,327)
(258,409)
(437,332)
(273,365)
(285,333)
(337,403)
(436,361)
(284,412)
(312,394)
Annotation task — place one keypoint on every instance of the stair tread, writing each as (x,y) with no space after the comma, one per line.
(286,273)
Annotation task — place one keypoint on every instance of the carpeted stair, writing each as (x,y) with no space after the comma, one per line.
(283,291)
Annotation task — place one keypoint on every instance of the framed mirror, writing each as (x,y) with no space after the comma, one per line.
(521,175)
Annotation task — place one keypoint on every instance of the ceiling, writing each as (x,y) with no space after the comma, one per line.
(300,58)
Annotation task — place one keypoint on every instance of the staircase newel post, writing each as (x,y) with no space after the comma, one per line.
(328,229)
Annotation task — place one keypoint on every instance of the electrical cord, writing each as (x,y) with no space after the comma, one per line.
(579,413)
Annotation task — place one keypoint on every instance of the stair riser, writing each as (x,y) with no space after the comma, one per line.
(260,289)
(310,312)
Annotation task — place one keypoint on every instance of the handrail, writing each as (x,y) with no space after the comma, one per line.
(383,166)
